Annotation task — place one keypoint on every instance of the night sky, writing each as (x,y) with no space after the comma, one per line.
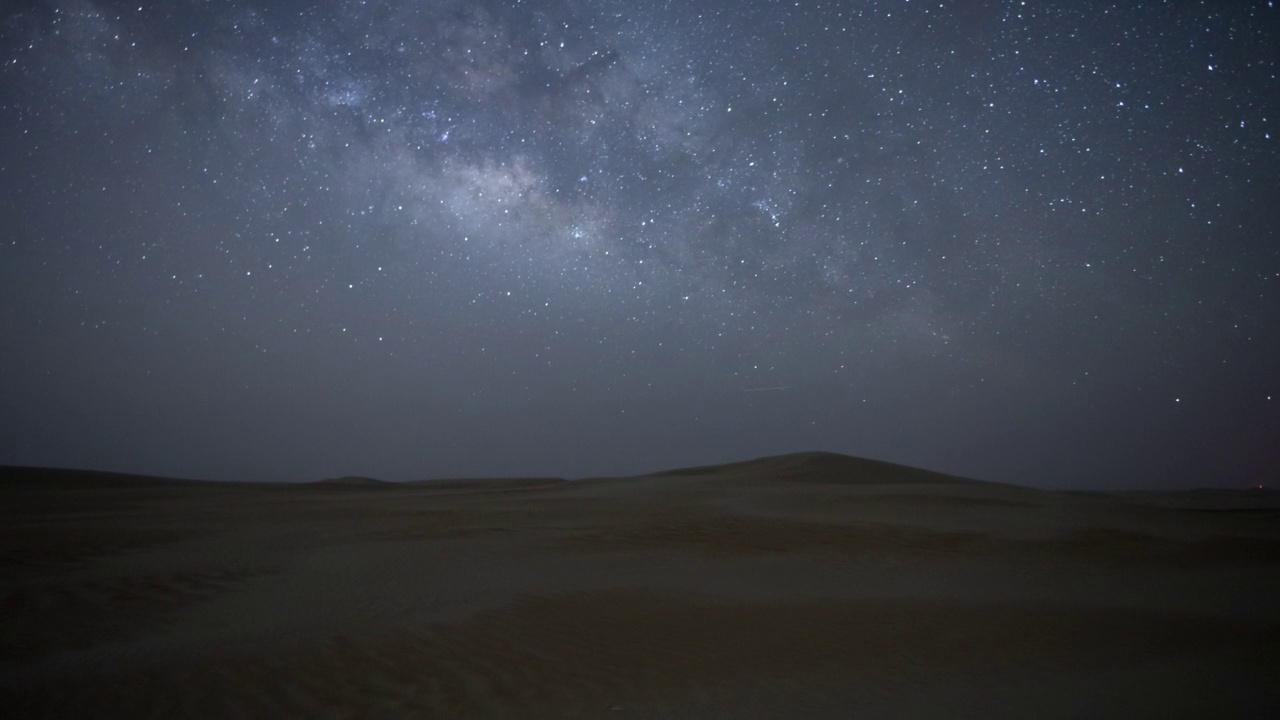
(1033,242)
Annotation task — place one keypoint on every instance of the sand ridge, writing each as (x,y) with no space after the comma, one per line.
(797,585)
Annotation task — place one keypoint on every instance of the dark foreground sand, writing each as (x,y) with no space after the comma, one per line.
(804,586)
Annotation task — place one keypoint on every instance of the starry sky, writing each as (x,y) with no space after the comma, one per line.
(1025,241)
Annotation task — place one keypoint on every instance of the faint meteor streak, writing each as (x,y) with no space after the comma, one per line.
(766,389)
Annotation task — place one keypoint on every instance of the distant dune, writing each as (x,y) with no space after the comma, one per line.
(819,467)
(354,481)
(810,585)
(63,477)
(1257,499)
(486,483)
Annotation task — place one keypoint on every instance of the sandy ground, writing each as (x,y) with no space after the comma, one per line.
(804,586)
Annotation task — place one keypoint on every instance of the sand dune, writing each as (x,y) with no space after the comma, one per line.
(818,467)
(809,585)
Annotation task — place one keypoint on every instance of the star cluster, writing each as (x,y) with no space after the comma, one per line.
(1023,241)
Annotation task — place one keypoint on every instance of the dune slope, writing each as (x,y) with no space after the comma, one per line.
(809,585)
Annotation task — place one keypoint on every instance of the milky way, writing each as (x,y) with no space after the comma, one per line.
(1023,241)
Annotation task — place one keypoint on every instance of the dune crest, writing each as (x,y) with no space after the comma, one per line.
(814,585)
(819,467)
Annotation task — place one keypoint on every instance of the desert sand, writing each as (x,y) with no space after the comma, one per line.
(812,585)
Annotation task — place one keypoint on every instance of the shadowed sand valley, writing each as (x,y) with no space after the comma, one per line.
(811,585)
